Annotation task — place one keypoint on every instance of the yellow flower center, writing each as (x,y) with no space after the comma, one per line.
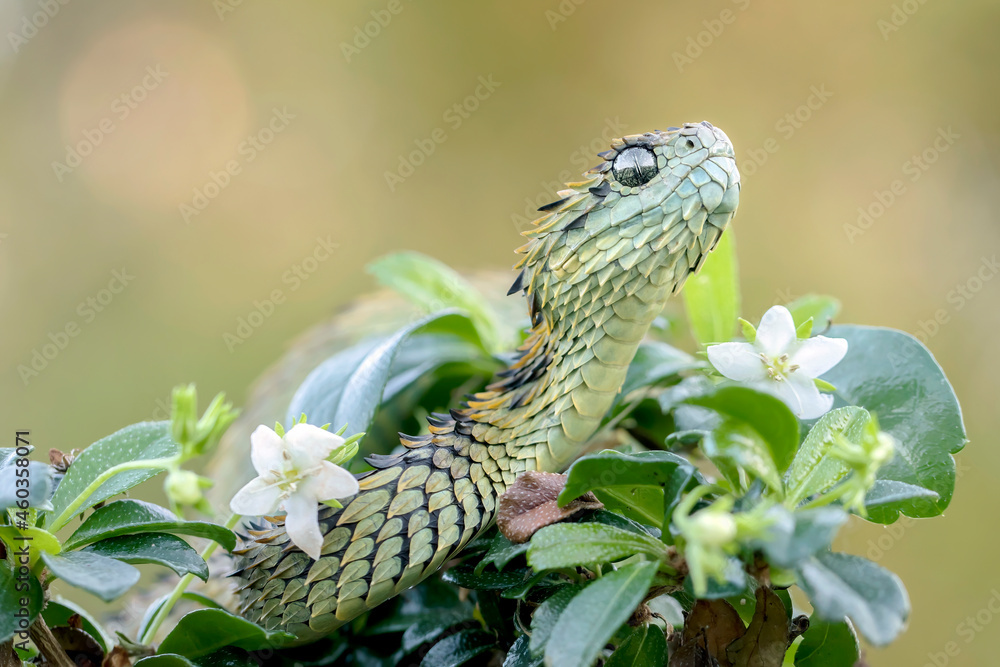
(778,368)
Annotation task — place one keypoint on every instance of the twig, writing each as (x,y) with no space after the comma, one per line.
(47,644)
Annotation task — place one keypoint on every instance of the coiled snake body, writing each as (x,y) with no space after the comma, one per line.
(599,265)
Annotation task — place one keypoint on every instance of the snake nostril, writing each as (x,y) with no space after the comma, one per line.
(689,143)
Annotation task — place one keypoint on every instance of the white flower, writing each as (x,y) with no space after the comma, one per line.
(294,474)
(780,363)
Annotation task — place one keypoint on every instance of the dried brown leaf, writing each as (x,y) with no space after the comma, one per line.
(766,639)
(530,504)
(713,624)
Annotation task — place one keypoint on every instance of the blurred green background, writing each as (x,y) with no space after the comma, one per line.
(116,117)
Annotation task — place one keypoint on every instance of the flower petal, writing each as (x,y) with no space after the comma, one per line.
(819,354)
(330,481)
(258,498)
(265,450)
(302,524)
(812,403)
(308,445)
(737,361)
(776,331)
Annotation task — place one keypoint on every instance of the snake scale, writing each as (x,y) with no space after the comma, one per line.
(598,267)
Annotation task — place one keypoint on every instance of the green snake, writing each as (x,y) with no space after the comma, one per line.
(598,267)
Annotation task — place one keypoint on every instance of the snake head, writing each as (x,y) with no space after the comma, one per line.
(659,202)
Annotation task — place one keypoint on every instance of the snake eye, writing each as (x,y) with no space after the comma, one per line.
(635,166)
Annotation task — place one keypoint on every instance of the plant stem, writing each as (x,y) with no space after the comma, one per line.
(78,502)
(47,644)
(175,595)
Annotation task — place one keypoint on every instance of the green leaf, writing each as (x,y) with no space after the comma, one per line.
(165,660)
(126,517)
(594,615)
(735,444)
(645,647)
(423,631)
(820,308)
(501,552)
(887,491)
(574,544)
(519,654)
(158,603)
(348,387)
(610,469)
(434,286)
(767,415)
(458,649)
(712,298)
(39,489)
(466,577)
(11,602)
(793,537)
(547,615)
(58,611)
(205,631)
(842,585)
(106,578)
(655,363)
(734,583)
(159,548)
(827,644)
(146,440)
(895,377)
(813,470)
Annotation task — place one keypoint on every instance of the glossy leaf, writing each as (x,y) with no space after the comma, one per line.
(842,585)
(547,615)
(459,648)
(519,654)
(347,388)
(610,469)
(827,644)
(58,611)
(793,537)
(106,578)
(735,445)
(575,544)
(158,548)
(466,577)
(887,492)
(656,362)
(434,286)
(712,298)
(813,470)
(145,440)
(594,615)
(896,378)
(11,599)
(767,415)
(39,488)
(126,517)
(165,660)
(645,647)
(501,552)
(205,631)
